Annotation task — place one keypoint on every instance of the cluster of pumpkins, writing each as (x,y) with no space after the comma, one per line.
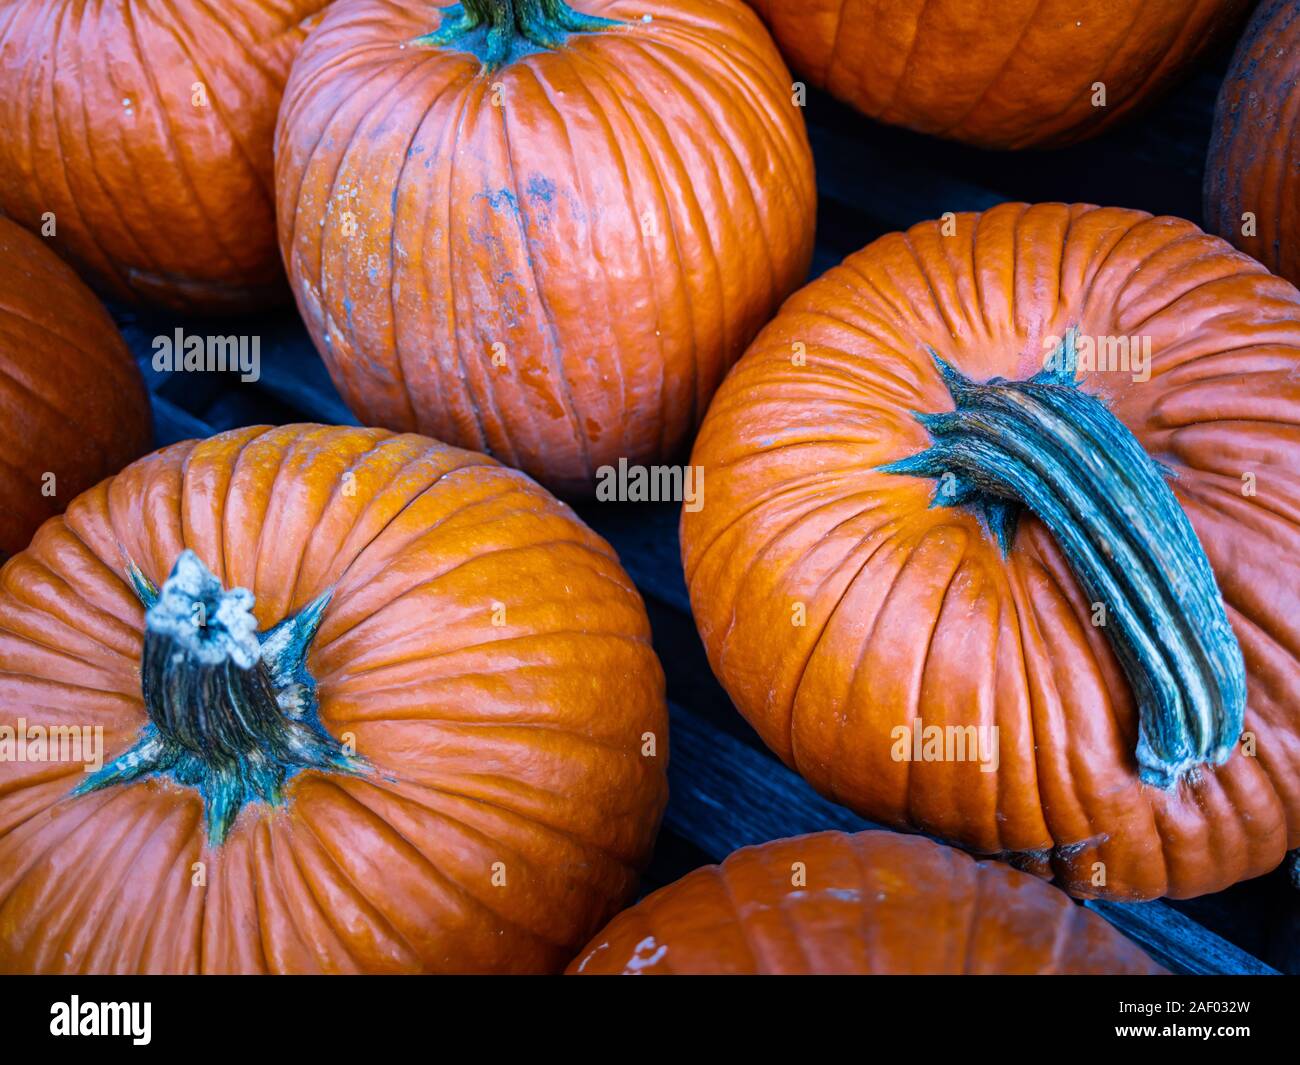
(370,700)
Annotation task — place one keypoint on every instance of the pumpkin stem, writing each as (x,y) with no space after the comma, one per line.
(498,32)
(1046,444)
(232,712)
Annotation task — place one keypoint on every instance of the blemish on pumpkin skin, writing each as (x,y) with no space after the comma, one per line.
(646,954)
(499,200)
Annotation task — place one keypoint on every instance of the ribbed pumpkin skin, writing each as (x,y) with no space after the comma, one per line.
(997,73)
(912,611)
(72,401)
(874,903)
(155,198)
(1253,161)
(621,225)
(517,743)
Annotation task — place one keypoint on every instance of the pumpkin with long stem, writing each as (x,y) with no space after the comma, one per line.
(316,699)
(538,229)
(1001,543)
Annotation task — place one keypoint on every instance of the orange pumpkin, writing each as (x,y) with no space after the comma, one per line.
(537,231)
(874,903)
(998,73)
(1023,471)
(1252,193)
(391,708)
(73,406)
(139,137)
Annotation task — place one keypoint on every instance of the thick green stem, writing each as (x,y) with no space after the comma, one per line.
(500,31)
(232,712)
(1046,444)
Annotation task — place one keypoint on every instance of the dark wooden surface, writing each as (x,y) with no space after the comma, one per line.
(727,789)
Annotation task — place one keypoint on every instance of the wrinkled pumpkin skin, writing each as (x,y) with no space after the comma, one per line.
(874,903)
(997,73)
(913,612)
(561,280)
(72,401)
(1252,164)
(517,743)
(155,199)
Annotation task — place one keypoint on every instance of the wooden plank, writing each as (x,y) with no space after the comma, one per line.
(1200,952)
(725,795)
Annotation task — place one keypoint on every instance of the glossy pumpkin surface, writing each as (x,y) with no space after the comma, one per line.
(840,603)
(997,73)
(554,259)
(1252,166)
(482,651)
(73,407)
(145,131)
(874,903)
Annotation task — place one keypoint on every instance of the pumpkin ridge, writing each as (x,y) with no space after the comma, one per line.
(364,117)
(655,146)
(993,76)
(145,834)
(481,405)
(416,536)
(398,788)
(662,59)
(475,832)
(377,497)
(373,444)
(174,26)
(67,893)
(213,238)
(548,325)
(156,917)
(637,132)
(57,40)
(313,928)
(433,578)
(358,890)
(411,416)
(301,456)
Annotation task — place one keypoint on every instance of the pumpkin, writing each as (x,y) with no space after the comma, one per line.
(538,230)
(73,406)
(1002,542)
(138,137)
(369,703)
(874,903)
(1252,195)
(998,73)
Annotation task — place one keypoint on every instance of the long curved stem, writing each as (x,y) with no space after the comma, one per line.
(1046,444)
